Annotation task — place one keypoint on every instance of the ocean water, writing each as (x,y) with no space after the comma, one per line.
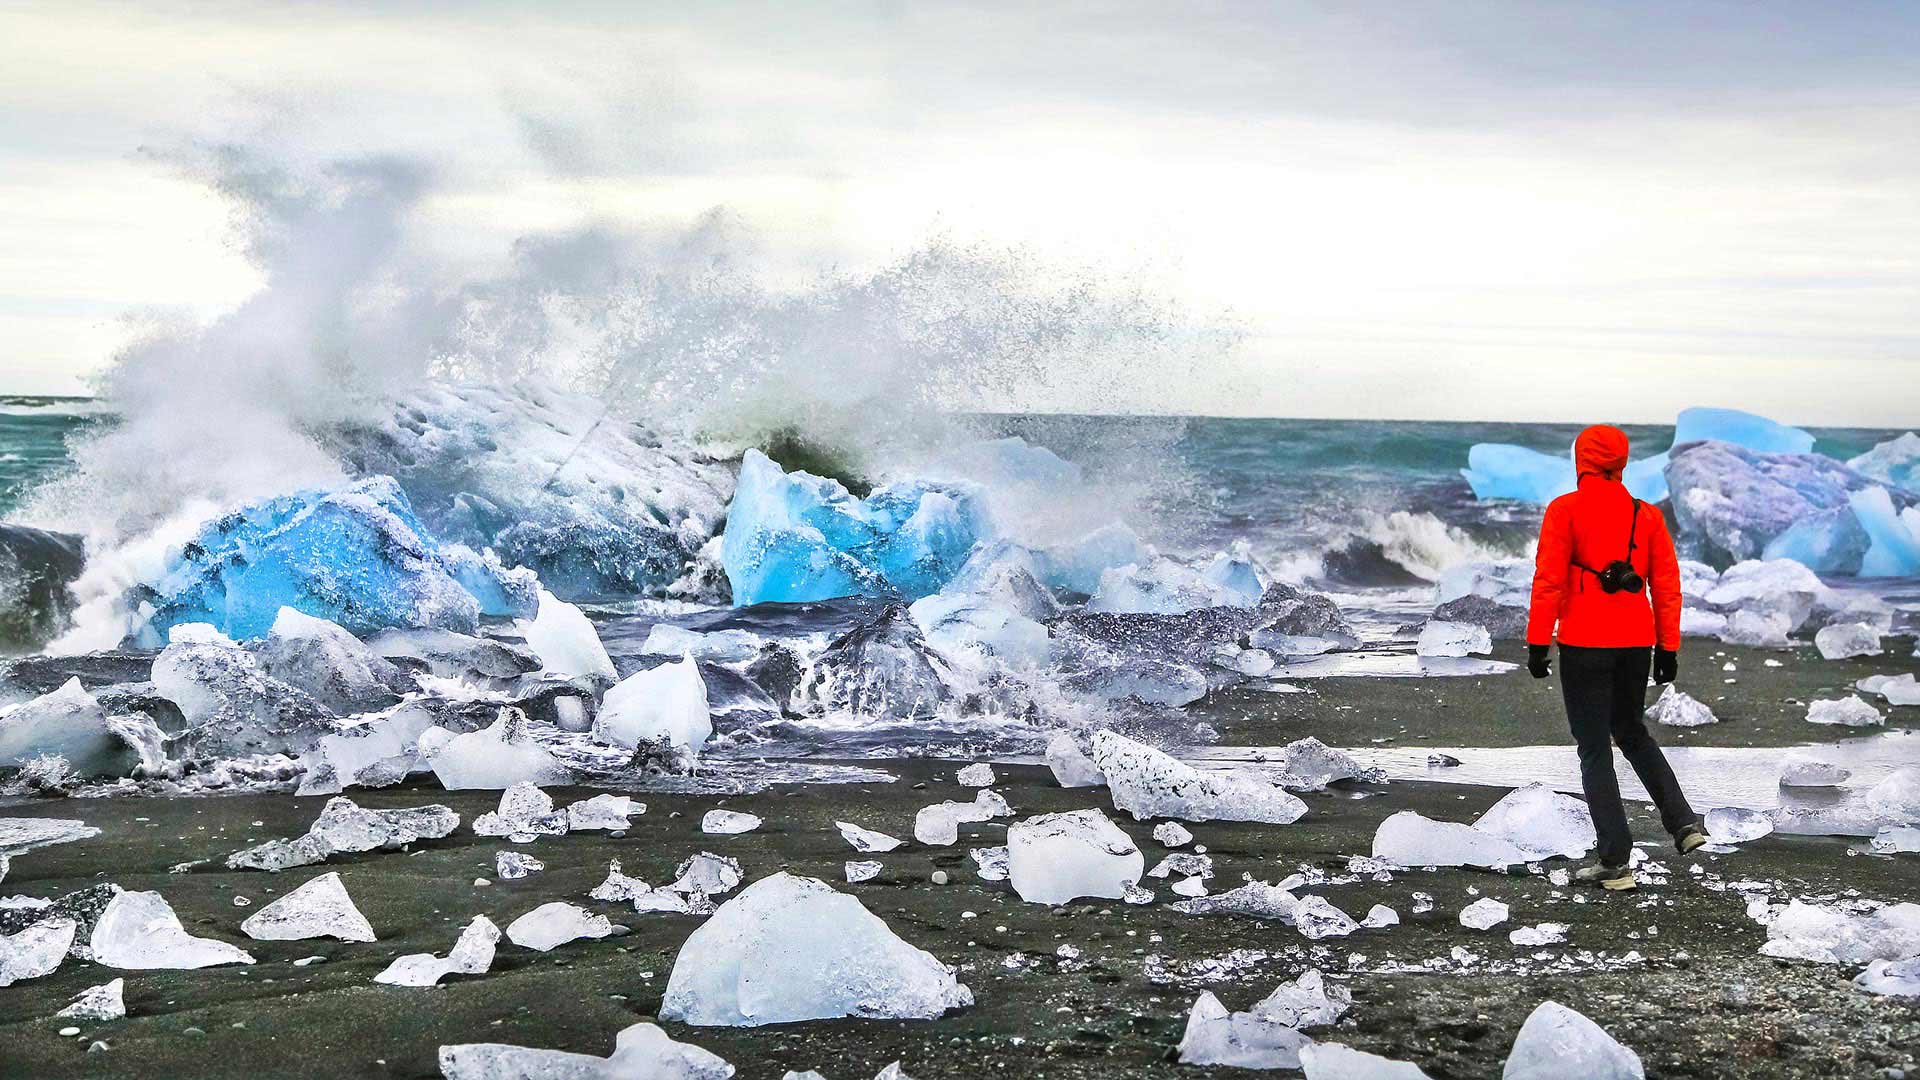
(33,440)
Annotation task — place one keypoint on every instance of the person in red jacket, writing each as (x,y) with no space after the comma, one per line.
(1602,552)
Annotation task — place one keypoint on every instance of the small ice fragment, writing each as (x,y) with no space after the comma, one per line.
(552,925)
(1802,768)
(513,865)
(1734,825)
(991,863)
(1243,1040)
(1893,978)
(639,1051)
(1136,895)
(1332,1061)
(728,822)
(1193,886)
(939,825)
(1256,898)
(978,774)
(1422,903)
(1308,1001)
(1380,915)
(609,812)
(524,810)
(103,1002)
(1841,641)
(1556,1043)
(1547,933)
(1054,858)
(863,871)
(1676,708)
(1183,862)
(1896,838)
(471,955)
(866,839)
(1148,784)
(1172,834)
(1440,638)
(707,874)
(318,908)
(1071,766)
(1316,917)
(1483,914)
(1849,711)
(618,886)
(36,950)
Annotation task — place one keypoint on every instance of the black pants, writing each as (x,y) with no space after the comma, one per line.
(1606,693)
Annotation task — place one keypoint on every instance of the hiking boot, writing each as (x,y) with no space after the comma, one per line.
(1611,878)
(1691,839)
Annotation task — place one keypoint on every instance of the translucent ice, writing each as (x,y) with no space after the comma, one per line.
(1804,768)
(939,825)
(1256,899)
(1896,838)
(318,908)
(1409,839)
(24,834)
(525,811)
(1440,638)
(1842,640)
(1731,503)
(1172,834)
(550,926)
(327,662)
(707,874)
(484,661)
(728,822)
(1539,821)
(957,622)
(36,950)
(1895,462)
(602,812)
(1771,586)
(1735,825)
(1242,1040)
(494,757)
(512,865)
(1483,914)
(1894,978)
(715,647)
(978,774)
(1380,916)
(139,931)
(1849,711)
(1893,534)
(232,706)
(564,639)
(1316,917)
(1004,575)
(1677,708)
(472,954)
(1054,858)
(345,827)
(791,948)
(1760,629)
(1829,934)
(640,1052)
(991,863)
(883,668)
(1897,690)
(1310,765)
(665,704)
(1332,1061)
(1070,765)
(1165,587)
(1307,1001)
(1547,933)
(1556,1043)
(1148,784)
(98,1003)
(867,839)
(68,722)
(859,870)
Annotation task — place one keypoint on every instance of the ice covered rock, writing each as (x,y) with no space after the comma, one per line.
(1829,934)
(564,639)
(880,669)
(706,874)
(1805,768)
(728,822)
(1539,821)
(1440,638)
(472,954)
(1310,765)
(1410,839)
(1840,641)
(525,811)
(552,925)
(1483,914)
(1735,825)
(139,931)
(1148,784)
(232,707)
(1054,858)
(1895,462)
(939,825)
(1316,917)
(1893,978)
(1677,708)
(98,1003)
(957,623)
(1849,711)
(1242,1040)
(318,908)
(640,1052)
(1172,834)
(35,951)
(661,705)
(513,865)
(867,839)
(344,826)
(1896,838)
(609,812)
(795,537)
(1070,765)
(495,757)
(791,948)
(1557,1043)
(1332,1061)
(69,723)
(330,664)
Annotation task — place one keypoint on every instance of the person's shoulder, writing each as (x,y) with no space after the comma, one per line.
(1563,504)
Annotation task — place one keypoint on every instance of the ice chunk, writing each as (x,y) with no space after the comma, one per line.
(939,825)
(472,954)
(1380,916)
(1409,839)
(1332,1061)
(618,886)
(1316,917)
(1759,629)
(1547,933)
(665,704)
(564,639)
(1054,858)
(550,926)
(880,669)
(1310,765)
(1697,623)
(1172,834)
(1898,795)
(1257,899)
(1148,784)
(640,1052)
(1895,462)
(1829,934)
(1677,708)
(36,950)
(1076,567)
(707,874)
(486,661)
(1540,822)
(858,871)
(715,646)
(1504,471)
(1731,503)
(1802,768)
(1004,575)
(867,839)
(1894,978)
(1896,838)
(957,622)
(512,865)
(98,1003)
(1241,1040)
(25,834)
(1070,765)
(1483,914)
(232,707)
(992,863)
(1165,587)
(525,811)
(1439,638)
(1307,1001)
(1773,586)
(1897,690)
(139,931)
(1893,534)
(1849,711)
(791,948)
(1557,1043)
(1842,640)
(1734,825)
(728,822)
(69,723)
(327,662)
(345,827)
(495,757)
(602,812)
(318,908)
(1508,583)
(978,774)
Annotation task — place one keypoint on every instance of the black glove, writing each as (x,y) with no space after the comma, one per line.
(1666,666)
(1538,661)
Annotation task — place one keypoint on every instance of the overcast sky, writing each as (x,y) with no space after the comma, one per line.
(1453,210)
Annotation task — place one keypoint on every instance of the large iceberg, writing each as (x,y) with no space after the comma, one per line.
(795,536)
(1895,462)
(230,704)
(792,948)
(1731,503)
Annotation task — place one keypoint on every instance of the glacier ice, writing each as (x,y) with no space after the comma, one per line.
(36,950)
(1769,586)
(1070,765)
(1731,504)
(496,757)
(472,954)
(139,931)
(343,826)
(1379,917)
(792,948)
(640,1052)
(859,870)
(1166,587)
(1310,765)
(231,706)
(1533,937)
(1410,839)
(1508,582)
(728,822)
(608,812)
(552,925)
(1308,1001)
(98,1003)
(1556,1042)
(1172,834)
(512,865)
(1895,462)
(1001,574)
(795,537)
(1439,638)
(714,646)
(1760,629)
(1897,690)
(958,622)
(564,639)
(1539,821)
(1256,899)
(1895,978)
(866,839)
(1892,839)
(1334,1061)
(1677,708)
(70,723)
(666,705)
(1805,768)
(1148,784)
(1054,858)
(1242,1040)
(1839,641)
(1483,914)
(1849,711)
(1830,934)
(707,874)
(1075,568)
(978,774)
(334,668)
(939,825)
(1316,917)
(318,908)
(883,668)
(992,863)
(1737,825)
(1893,533)
(524,813)
(487,662)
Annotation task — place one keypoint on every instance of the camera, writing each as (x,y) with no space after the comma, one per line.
(1620,576)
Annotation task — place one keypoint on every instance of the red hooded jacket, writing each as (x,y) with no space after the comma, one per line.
(1588,527)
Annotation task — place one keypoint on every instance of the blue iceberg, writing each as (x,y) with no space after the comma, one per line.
(356,556)
(1895,534)
(795,537)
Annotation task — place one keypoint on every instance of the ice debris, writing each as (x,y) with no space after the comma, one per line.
(513,865)
(640,1052)
(1896,838)
(24,834)
(1071,766)
(524,813)
(344,826)
(472,954)
(1308,1001)
(1411,839)
(1803,768)
(1677,708)
(1547,933)
(318,908)
(1540,822)
(706,874)
(1483,914)
(992,863)
(1333,1061)
(68,722)
(1894,689)
(664,705)
(1556,1043)
(1893,978)
(1830,934)
(978,774)
(1317,917)
(330,664)
(859,870)
(1441,638)
(552,925)
(495,757)
(98,1003)
(939,825)
(602,812)
(867,839)
(1736,825)
(1148,784)
(230,705)
(1256,899)
(36,950)
(1242,1040)
(1849,711)
(1840,641)
(139,931)
(1172,834)
(791,948)
(1054,858)
(728,822)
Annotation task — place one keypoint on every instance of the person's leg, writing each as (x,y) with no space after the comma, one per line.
(1587,683)
(1638,746)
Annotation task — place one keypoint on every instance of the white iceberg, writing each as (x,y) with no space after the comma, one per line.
(564,639)
(139,931)
(1557,1043)
(665,704)
(640,1052)
(1896,689)
(1148,784)
(552,925)
(1054,858)
(318,908)
(867,839)
(36,950)
(1895,838)
(471,955)
(978,774)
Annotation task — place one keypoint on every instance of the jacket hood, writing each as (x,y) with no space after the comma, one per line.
(1601,449)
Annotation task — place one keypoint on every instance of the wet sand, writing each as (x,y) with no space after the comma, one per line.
(1696,1000)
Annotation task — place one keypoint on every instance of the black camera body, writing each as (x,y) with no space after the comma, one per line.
(1620,576)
